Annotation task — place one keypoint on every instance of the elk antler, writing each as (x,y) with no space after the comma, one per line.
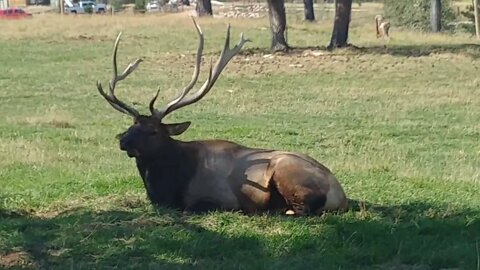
(181,101)
(112,99)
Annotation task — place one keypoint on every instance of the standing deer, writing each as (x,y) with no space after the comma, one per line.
(382,26)
(206,175)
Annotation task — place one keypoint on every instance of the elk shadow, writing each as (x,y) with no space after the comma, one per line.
(416,235)
(85,239)
(377,235)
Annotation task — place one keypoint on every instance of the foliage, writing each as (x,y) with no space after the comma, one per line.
(117,5)
(416,13)
(88,9)
(470,15)
(140,5)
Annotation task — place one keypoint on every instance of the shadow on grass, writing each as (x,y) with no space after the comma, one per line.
(469,49)
(367,237)
(83,239)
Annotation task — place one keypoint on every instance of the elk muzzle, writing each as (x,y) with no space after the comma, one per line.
(127,145)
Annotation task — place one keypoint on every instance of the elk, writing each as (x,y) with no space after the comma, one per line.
(217,175)
(382,26)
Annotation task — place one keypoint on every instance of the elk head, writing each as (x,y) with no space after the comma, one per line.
(149,136)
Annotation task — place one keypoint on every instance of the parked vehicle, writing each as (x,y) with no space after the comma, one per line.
(86,6)
(166,6)
(153,6)
(13,13)
(38,2)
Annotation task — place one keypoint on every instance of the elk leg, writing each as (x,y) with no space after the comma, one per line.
(302,185)
(301,200)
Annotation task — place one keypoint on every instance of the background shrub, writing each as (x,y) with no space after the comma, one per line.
(415,14)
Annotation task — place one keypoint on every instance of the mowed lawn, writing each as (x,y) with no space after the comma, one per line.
(397,122)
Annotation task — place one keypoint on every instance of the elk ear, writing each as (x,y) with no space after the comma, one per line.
(177,128)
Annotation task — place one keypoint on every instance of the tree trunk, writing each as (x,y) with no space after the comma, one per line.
(436,15)
(204,8)
(343,9)
(278,24)
(308,8)
(476,11)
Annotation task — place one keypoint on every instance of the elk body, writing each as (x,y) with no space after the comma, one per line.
(209,175)
(382,27)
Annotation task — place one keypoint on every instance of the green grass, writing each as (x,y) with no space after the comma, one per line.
(399,126)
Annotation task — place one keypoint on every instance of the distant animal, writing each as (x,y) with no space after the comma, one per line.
(211,175)
(382,26)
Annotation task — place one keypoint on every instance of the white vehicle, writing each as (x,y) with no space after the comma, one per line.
(83,6)
(153,6)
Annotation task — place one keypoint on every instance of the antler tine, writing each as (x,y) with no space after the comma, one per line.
(225,57)
(169,107)
(152,103)
(112,99)
(227,53)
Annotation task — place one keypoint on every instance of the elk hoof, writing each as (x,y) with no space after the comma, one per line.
(290,213)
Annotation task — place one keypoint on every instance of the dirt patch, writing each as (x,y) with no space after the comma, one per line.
(15,259)
(305,60)
(250,62)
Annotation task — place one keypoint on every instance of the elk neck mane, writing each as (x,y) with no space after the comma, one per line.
(167,174)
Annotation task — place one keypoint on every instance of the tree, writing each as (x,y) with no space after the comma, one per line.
(436,15)
(277,16)
(204,8)
(308,8)
(416,14)
(476,10)
(343,10)
(278,24)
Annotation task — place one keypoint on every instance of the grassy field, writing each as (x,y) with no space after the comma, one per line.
(398,123)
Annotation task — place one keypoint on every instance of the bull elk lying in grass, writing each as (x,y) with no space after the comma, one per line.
(205,175)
